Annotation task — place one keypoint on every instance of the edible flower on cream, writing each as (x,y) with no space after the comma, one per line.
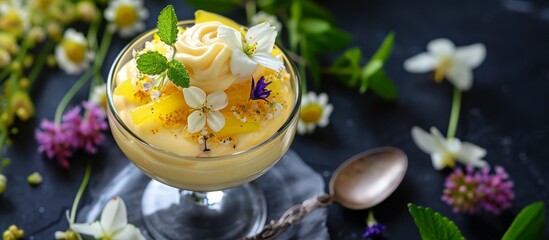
(206,109)
(444,152)
(454,63)
(254,49)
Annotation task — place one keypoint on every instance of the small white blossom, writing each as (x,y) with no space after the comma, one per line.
(444,152)
(263,17)
(206,109)
(113,224)
(126,16)
(14,18)
(72,54)
(255,48)
(454,63)
(99,95)
(315,111)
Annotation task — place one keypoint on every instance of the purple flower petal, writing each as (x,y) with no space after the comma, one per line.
(259,91)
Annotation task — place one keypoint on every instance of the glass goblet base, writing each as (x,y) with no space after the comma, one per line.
(171,213)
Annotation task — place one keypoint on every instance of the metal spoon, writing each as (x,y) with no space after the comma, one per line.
(361,182)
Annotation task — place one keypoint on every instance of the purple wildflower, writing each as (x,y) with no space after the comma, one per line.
(259,91)
(470,191)
(496,190)
(374,228)
(56,141)
(89,129)
(461,190)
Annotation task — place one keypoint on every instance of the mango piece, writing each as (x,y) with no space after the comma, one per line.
(234,126)
(128,91)
(239,93)
(173,104)
(202,16)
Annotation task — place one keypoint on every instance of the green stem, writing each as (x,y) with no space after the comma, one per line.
(69,95)
(303,70)
(4,73)
(103,47)
(42,57)
(454,115)
(250,10)
(80,192)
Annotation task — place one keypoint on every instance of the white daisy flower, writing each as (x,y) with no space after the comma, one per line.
(112,225)
(14,18)
(444,152)
(254,49)
(99,95)
(72,54)
(126,16)
(263,17)
(206,109)
(315,111)
(456,64)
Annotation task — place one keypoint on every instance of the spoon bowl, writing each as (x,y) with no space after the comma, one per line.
(368,178)
(361,182)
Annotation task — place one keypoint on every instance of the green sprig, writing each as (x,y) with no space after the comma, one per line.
(432,225)
(154,63)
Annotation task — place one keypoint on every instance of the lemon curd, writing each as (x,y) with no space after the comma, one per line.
(150,124)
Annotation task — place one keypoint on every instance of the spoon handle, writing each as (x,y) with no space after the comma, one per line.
(294,215)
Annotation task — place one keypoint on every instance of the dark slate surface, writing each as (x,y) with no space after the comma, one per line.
(506,112)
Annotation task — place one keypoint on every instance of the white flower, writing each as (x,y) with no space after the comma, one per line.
(314,111)
(263,17)
(99,95)
(113,224)
(206,109)
(5,58)
(456,64)
(127,16)
(254,49)
(444,151)
(72,54)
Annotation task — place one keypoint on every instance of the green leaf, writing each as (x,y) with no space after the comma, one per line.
(328,41)
(384,51)
(311,62)
(382,85)
(347,66)
(178,74)
(214,5)
(152,63)
(293,25)
(432,225)
(314,26)
(312,9)
(167,25)
(528,224)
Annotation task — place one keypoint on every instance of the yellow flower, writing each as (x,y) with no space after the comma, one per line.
(126,16)
(72,54)
(8,42)
(13,19)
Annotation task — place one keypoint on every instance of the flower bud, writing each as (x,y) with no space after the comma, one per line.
(5,58)
(37,34)
(22,105)
(55,31)
(51,61)
(24,83)
(8,235)
(3,183)
(17,232)
(8,42)
(87,11)
(35,178)
(28,60)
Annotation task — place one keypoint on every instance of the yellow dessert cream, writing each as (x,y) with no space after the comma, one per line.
(151,125)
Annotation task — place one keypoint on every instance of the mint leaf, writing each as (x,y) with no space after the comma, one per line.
(347,67)
(432,225)
(528,224)
(178,74)
(382,85)
(152,63)
(167,25)
(371,68)
(314,25)
(384,51)
(332,39)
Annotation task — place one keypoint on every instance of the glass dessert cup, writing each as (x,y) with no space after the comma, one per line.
(195,196)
